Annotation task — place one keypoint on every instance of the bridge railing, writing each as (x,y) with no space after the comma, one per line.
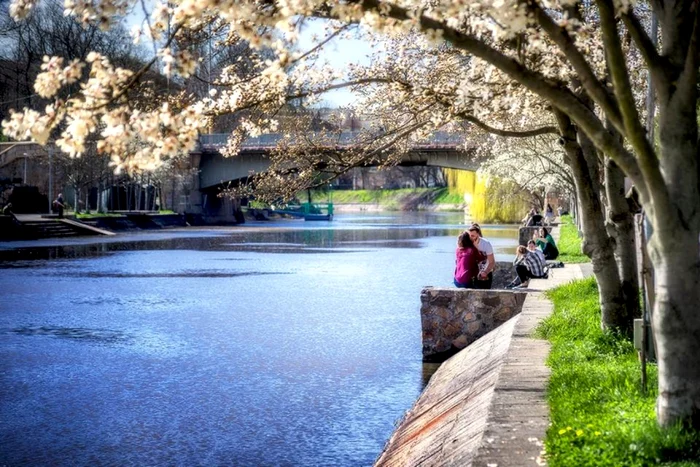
(345,139)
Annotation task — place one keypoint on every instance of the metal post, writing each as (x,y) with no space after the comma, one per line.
(50,178)
(24,178)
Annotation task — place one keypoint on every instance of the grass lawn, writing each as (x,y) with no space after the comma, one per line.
(569,243)
(94,215)
(390,199)
(599,414)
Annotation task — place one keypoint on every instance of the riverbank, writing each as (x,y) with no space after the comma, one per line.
(486,405)
(404,199)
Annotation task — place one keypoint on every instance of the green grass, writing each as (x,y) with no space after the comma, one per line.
(94,215)
(386,198)
(599,414)
(569,243)
(445,196)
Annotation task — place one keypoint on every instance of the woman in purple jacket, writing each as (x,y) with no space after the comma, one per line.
(466,262)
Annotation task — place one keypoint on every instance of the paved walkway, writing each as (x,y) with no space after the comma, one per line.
(519,414)
(486,406)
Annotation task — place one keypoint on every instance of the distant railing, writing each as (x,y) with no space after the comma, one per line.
(345,139)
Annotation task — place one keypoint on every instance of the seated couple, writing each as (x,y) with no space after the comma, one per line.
(474,262)
(529,264)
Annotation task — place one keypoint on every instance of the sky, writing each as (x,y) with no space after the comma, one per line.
(339,53)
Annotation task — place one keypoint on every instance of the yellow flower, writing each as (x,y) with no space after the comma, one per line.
(579,432)
(562,431)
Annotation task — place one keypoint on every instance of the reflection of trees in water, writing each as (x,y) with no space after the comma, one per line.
(277,241)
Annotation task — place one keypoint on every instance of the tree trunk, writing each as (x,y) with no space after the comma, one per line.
(676,325)
(675,252)
(100,196)
(597,245)
(76,198)
(621,221)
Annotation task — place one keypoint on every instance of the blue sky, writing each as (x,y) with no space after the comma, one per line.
(339,53)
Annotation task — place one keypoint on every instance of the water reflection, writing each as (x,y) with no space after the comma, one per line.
(102,336)
(209,274)
(268,344)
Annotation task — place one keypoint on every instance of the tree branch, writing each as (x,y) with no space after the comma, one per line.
(558,95)
(508,133)
(635,132)
(585,73)
(321,44)
(654,61)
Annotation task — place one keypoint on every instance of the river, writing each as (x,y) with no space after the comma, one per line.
(274,343)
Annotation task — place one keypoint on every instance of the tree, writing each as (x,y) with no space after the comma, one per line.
(418,80)
(48,32)
(573,59)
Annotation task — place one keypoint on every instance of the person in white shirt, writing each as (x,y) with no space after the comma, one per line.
(484,279)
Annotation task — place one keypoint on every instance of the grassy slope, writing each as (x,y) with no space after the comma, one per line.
(570,243)
(391,199)
(600,416)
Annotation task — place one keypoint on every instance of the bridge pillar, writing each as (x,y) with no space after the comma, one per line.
(195,196)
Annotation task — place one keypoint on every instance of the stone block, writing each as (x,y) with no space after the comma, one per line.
(525,234)
(453,318)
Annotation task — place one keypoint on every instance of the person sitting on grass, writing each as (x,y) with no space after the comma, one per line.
(527,266)
(466,262)
(546,243)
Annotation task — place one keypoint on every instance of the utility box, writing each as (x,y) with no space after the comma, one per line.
(638,334)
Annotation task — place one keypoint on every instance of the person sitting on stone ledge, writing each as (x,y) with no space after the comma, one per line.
(532,218)
(527,266)
(484,279)
(532,246)
(466,262)
(545,241)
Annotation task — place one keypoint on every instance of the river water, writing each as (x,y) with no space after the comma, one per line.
(280,343)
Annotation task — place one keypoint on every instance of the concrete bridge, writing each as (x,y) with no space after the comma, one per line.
(215,171)
(441,150)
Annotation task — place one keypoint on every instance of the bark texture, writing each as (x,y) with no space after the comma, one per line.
(621,225)
(676,326)
(674,244)
(597,245)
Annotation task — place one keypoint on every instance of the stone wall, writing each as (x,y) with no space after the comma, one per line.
(503,274)
(453,318)
(525,234)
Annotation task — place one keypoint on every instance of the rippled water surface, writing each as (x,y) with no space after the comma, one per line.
(282,343)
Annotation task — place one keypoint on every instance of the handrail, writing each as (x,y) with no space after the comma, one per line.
(345,139)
